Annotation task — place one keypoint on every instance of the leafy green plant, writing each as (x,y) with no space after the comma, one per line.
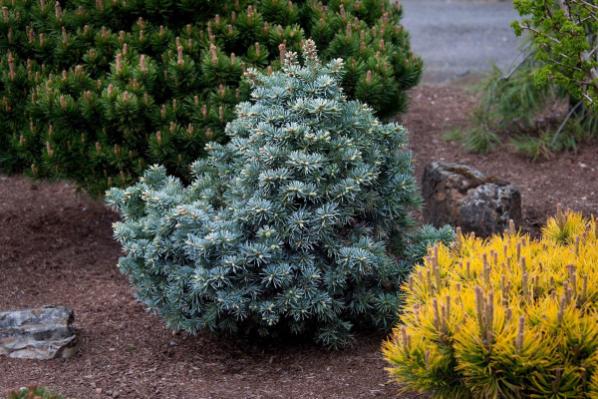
(534,117)
(562,66)
(286,229)
(565,37)
(453,135)
(94,91)
(32,393)
(507,317)
(533,147)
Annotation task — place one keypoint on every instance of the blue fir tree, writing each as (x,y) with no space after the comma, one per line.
(287,228)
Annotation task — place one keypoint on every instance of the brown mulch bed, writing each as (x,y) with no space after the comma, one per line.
(568,180)
(56,247)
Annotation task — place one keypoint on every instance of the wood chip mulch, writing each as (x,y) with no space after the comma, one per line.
(56,247)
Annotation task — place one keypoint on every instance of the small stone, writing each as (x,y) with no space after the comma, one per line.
(40,333)
(462,196)
(98,390)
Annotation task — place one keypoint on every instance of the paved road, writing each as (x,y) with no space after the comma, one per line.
(461,37)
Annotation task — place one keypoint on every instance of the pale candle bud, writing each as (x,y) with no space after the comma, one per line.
(11,67)
(214,54)
(118,63)
(282,49)
(142,64)
(179,51)
(49,149)
(58,10)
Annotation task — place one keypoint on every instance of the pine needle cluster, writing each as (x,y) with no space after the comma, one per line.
(510,317)
(96,90)
(287,228)
(537,119)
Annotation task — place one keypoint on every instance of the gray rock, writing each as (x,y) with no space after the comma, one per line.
(463,196)
(41,333)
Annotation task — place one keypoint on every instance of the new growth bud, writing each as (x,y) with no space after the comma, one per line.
(58,10)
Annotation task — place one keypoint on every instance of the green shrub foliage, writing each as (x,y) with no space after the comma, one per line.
(565,36)
(94,91)
(32,393)
(536,119)
(507,317)
(285,229)
(526,104)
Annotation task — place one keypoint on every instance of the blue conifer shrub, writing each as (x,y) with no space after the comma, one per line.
(286,229)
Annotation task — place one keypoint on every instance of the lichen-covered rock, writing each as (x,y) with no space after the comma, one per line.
(41,333)
(463,196)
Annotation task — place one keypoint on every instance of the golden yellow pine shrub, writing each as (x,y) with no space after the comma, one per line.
(506,317)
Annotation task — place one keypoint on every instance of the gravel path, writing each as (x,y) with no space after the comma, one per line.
(461,37)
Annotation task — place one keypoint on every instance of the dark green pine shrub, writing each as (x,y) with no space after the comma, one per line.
(95,90)
(286,229)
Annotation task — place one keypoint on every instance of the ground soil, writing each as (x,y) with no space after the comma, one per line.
(56,247)
(568,180)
